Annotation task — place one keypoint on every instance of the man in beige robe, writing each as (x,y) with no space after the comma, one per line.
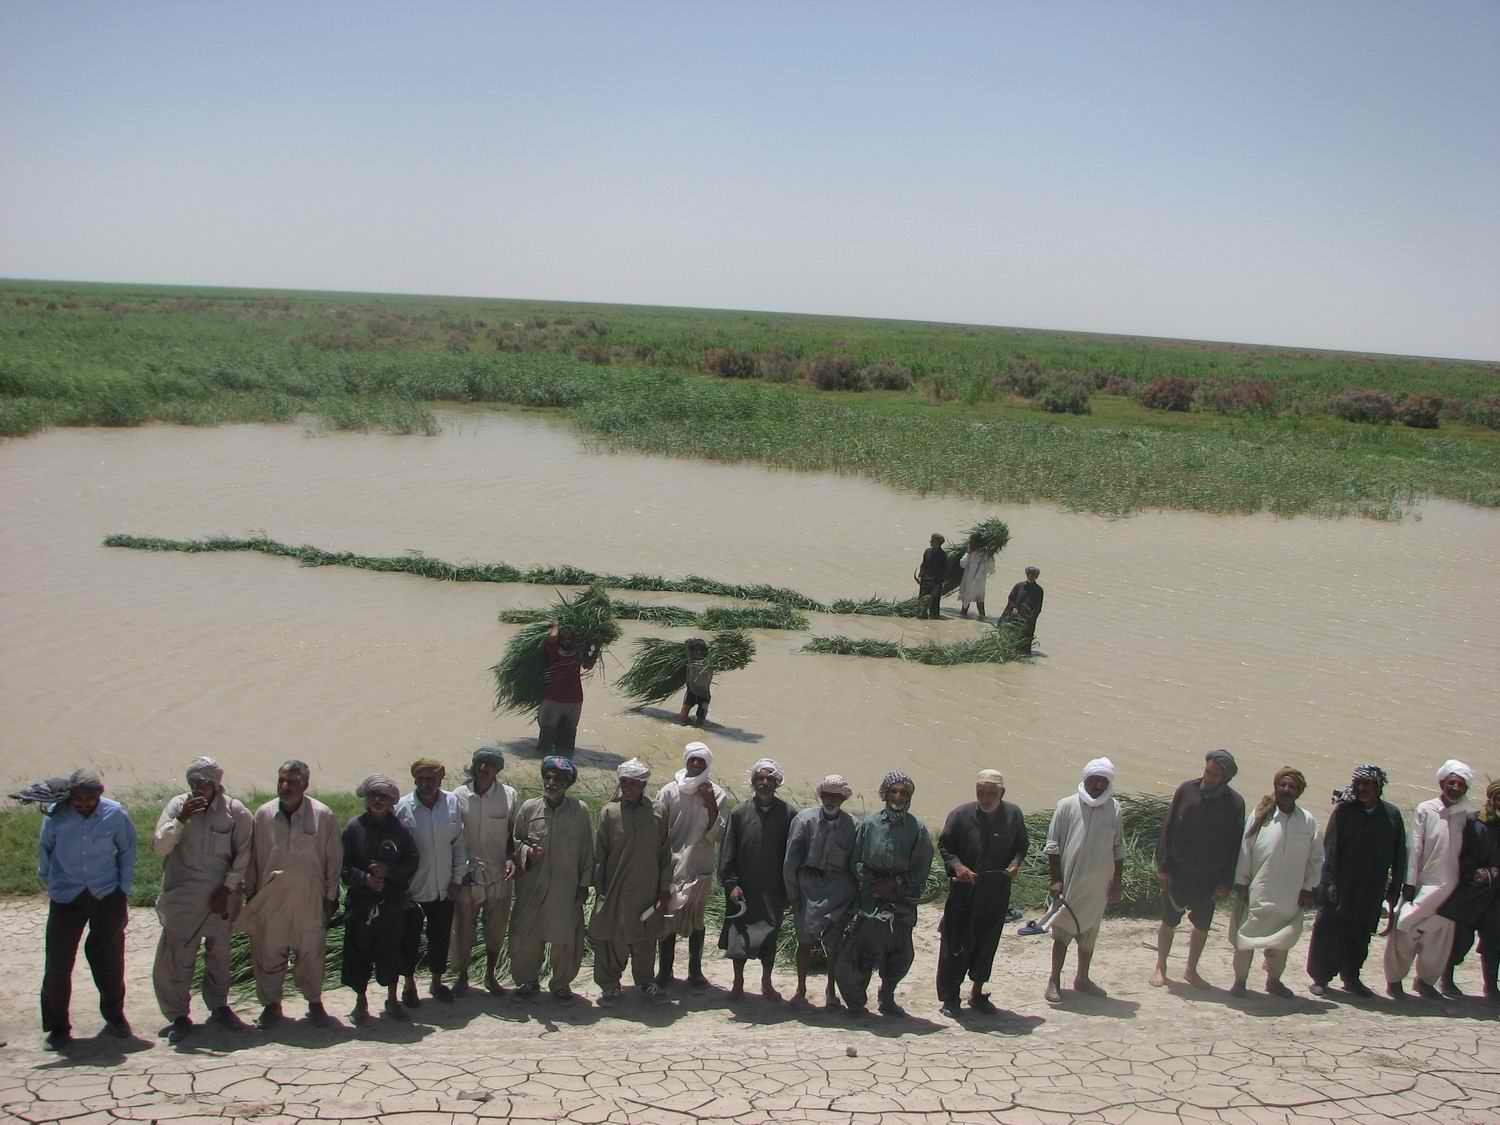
(633,881)
(486,806)
(292,883)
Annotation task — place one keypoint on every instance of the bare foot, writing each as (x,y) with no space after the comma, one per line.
(1087,987)
(1159,978)
(1052,995)
(1192,977)
(1239,989)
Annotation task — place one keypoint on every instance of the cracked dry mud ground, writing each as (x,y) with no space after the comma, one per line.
(1142,1055)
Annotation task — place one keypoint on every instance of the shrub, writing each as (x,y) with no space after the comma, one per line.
(729,362)
(1025,378)
(1485,412)
(1356,405)
(1420,412)
(1170,392)
(835,373)
(1065,396)
(776,367)
(887,376)
(1119,385)
(1237,398)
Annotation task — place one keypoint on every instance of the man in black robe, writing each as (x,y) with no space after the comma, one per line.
(1474,904)
(1195,859)
(1024,606)
(982,844)
(380,857)
(751,858)
(1364,864)
(931,576)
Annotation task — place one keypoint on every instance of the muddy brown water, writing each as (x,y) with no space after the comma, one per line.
(1312,642)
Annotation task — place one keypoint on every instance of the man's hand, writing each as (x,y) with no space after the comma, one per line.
(191,808)
(534,855)
(1112,895)
(1305,899)
(218,902)
(376,869)
(375,882)
(710,802)
(737,894)
(1056,889)
(1408,892)
(510,870)
(1013,870)
(962,874)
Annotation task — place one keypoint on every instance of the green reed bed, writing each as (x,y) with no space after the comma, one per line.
(993,646)
(675,616)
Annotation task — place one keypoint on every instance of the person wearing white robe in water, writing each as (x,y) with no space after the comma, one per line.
(976,565)
(1420,933)
(1086,856)
(695,810)
(1281,861)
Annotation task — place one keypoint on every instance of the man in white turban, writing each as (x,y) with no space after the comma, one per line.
(632,873)
(204,837)
(695,810)
(1421,934)
(1086,858)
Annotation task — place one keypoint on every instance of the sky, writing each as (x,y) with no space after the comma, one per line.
(1321,175)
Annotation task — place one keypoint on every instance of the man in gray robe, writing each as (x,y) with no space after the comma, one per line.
(819,885)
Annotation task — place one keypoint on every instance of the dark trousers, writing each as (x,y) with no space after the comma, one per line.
(105,950)
(932,597)
(1339,947)
(557,727)
(870,945)
(976,962)
(372,948)
(437,918)
(1488,931)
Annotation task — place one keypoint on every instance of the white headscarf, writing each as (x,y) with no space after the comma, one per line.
(766,764)
(633,770)
(1099,767)
(1453,766)
(694,750)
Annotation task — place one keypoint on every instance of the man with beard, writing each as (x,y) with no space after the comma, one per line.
(695,810)
(1195,859)
(1024,606)
(380,858)
(982,845)
(485,806)
(292,887)
(1086,860)
(1281,861)
(1364,863)
(891,858)
(632,873)
(555,866)
(1472,905)
(752,859)
(819,886)
(431,815)
(204,835)
(1420,933)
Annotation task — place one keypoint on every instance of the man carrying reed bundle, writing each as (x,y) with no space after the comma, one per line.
(819,886)
(633,886)
(554,853)
(695,810)
(976,565)
(891,858)
(432,815)
(752,859)
(930,575)
(292,887)
(982,845)
(562,694)
(204,835)
(485,805)
(700,679)
(380,858)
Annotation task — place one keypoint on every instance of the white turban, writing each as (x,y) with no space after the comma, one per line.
(767,764)
(990,777)
(633,770)
(697,750)
(1454,767)
(1099,767)
(204,768)
(835,785)
(694,750)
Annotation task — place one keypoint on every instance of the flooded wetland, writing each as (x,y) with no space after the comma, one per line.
(1316,642)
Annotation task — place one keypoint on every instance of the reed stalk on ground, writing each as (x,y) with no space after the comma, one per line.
(993,646)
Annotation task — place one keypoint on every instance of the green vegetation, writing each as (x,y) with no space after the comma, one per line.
(676,616)
(1096,423)
(659,667)
(520,676)
(993,646)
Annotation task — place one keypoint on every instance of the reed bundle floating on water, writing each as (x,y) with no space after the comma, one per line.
(659,669)
(520,676)
(716,618)
(993,646)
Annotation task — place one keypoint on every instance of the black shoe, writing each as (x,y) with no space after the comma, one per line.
(181,1028)
(1357,987)
(889,1007)
(59,1040)
(982,1003)
(1450,989)
(119,1028)
(1318,988)
(950,1009)
(443,992)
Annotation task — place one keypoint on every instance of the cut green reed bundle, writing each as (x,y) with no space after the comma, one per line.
(520,675)
(993,646)
(717,618)
(659,667)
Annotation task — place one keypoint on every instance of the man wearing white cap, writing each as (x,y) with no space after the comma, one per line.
(695,810)
(982,844)
(204,835)
(1086,858)
(819,885)
(1421,934)
(486,806)
(632,873)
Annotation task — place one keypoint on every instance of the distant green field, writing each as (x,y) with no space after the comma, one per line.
(930,407)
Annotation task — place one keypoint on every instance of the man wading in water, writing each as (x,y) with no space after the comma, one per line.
(1024,606)
(929,578)
(562,695)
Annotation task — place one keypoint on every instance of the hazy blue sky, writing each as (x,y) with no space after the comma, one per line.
(1320,173)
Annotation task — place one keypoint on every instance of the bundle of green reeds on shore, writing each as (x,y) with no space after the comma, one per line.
(993,646)
(659,669)
(716,618)
(520,676)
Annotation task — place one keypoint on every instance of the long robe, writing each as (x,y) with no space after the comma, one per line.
(632,868)
(987,844)
(1364,859)
(548,904)
(1089,841)
(374,920)
(816,872)
(752,858)
(1279,862)
(1200,842)
(692,838)
(1432,861)
(977,566)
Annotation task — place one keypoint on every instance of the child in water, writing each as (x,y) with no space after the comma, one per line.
(700,678)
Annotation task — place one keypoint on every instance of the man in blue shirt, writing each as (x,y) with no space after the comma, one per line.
(86,857)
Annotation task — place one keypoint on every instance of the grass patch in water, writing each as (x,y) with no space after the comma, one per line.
(993,646)
(676,616)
